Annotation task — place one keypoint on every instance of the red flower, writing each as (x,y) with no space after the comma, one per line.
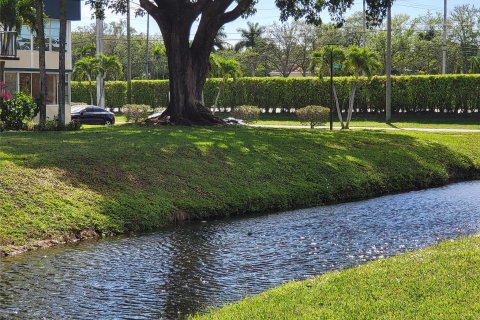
(4,94)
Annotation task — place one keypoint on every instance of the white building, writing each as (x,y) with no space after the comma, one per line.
(23,74)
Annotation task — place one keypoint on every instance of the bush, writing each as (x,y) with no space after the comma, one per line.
(314,115)
(247,113)
(431,93)
(136,112)
(17,111)
(53,125)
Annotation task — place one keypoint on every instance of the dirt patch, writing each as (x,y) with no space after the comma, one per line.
(85,234)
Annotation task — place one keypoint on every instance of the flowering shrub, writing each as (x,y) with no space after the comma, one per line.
(16,110)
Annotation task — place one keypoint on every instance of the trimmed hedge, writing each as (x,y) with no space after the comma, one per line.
(431,93)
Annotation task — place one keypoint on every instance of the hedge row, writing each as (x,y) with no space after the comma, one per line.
(448,93)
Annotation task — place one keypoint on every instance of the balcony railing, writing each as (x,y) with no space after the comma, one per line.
(8,45)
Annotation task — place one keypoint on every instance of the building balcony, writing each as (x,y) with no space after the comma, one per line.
(8,45)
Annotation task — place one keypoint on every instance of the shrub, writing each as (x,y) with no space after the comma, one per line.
(432,93)
(53,125)
(314,115)
(247,113)
(136,112)
(18,110)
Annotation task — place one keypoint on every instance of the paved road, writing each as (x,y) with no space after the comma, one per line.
(369,128)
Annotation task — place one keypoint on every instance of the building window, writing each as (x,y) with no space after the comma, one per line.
(52,36)
(30,83)
(11,82)
(55,35)
(25,39)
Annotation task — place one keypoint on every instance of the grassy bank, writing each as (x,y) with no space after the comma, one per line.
(440,282)
(120,179)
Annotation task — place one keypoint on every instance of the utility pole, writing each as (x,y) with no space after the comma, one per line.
(364,37)
(331,89)
(99,46)
(388,67)
(444,49)
(129,57)
(147,54)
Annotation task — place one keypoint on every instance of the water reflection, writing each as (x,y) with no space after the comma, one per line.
(186,269)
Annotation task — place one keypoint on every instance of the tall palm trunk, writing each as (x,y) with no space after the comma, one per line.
(337,104)
(40,30)
(351,101)
(62,73)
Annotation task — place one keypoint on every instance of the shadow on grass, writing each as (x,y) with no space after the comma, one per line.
(145,178)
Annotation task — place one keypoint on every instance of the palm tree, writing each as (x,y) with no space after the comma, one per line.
(61,63)
(321,61)
(225,69)
(86,68)
(475,64)
(39,28)
(359,61)
(250,36)
(105,66)
(219,42)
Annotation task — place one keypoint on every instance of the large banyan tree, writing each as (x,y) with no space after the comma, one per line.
(188,61)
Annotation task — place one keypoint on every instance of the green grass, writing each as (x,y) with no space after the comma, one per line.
(440,282)
(378,121)
(127,178)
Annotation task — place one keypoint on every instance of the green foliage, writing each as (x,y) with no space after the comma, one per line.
(115,93)
(151,92)
(221,67)
(314,115)
(136,112)
(444,93)
(247,113)
(322,59)
(16,111)
(54,125)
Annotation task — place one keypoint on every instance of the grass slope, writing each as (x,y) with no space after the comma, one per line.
(440,282)
(126,178)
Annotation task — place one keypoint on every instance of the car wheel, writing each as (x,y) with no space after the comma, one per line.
(108,122)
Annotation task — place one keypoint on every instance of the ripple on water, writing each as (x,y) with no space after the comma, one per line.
(186,269)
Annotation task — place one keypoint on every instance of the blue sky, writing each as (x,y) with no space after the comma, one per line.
(267,13)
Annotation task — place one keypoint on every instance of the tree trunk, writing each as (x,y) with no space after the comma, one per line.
(337,104)
(40,30)
(188,62)
(2,70)
(61,62)
(188,73)
(351,101)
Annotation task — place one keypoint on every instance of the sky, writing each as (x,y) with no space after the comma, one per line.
(267,13)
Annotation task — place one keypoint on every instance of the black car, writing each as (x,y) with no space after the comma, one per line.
(92,115)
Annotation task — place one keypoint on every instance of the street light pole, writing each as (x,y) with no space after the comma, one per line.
(444,49)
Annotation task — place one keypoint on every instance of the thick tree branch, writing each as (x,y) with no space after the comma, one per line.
(235,13)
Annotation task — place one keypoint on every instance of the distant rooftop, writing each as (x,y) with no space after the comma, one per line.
(52,9)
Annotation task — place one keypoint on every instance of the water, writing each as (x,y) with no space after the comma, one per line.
(187,269)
